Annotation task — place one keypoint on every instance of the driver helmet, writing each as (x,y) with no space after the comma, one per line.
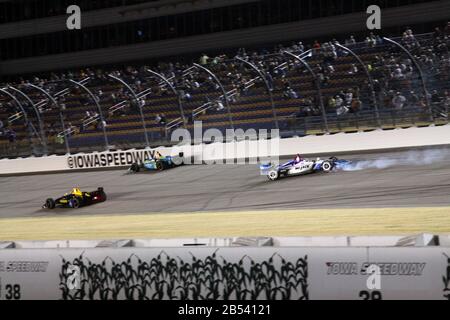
(76,192)
(298,157)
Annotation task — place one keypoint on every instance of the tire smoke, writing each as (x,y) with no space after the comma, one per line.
(411,158)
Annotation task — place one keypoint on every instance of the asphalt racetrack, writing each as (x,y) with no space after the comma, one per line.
(392,180)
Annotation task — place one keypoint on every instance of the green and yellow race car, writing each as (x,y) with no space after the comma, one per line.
(158,163)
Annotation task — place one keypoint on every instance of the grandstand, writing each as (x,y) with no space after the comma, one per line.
(316,88)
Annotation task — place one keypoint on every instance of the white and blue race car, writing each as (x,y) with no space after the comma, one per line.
(302,167)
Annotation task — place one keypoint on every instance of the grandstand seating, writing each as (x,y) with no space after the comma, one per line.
(250,110)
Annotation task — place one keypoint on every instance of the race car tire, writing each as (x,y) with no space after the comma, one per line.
(159,166)
(102,194)
(50,203)
(177,161)
(135,167)
(74,203)
(166,165)
(327,166)
(273,175)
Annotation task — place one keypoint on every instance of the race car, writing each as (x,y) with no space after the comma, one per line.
(158,163)
(298,167)
(76,198)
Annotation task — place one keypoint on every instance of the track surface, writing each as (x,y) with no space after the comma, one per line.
(234,188)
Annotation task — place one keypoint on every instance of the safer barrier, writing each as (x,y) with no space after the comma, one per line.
(304,273)
(218,152)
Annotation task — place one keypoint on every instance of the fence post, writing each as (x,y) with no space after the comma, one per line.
(38,117)
(319,90)
(422,78)
(224,92)
(102,119)
(61,117)
(30,126)
(136,99)
(372,88)
(269,90)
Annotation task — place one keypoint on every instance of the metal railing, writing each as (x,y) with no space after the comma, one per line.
(230,94)
(40,104)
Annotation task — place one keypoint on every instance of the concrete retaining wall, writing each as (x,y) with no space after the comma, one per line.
(269,273)
(327,144)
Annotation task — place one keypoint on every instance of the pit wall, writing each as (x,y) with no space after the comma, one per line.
(379,140)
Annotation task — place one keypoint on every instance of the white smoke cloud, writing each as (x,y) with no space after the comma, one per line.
(411,158)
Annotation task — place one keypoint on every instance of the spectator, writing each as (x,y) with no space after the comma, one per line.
(371,41)
(142,103)
(12,137)
(379,40)
(324,79)
(220,106)
(204,59)
(101,125)
(342,110)
(398,101)
(447,29)
(70,129)
(356,105)
(438,34)
(316,46)
(301,47)
(195,84)
(59,139)
(435,97)
(290,94)
(87,116)
(353,69)
(81,127)
(397,74)
(348,97)
(413,99)
(330,69)
(422,103)
(160,119)
(163,119)
(351,41)
(408,38)
(339,101)
(185,95)
(319,68)
(447,101)
(332,103)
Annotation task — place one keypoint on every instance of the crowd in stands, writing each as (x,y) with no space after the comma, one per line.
(396,82)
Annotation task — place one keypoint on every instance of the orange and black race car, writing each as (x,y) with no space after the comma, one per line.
(76,199)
